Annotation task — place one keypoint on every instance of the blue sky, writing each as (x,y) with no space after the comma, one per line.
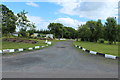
(70,13)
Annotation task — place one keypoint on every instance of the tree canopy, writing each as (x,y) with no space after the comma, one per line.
(91,31)
(61,31)
(8,20)
(111,29)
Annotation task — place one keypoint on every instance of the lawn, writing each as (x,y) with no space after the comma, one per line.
(15,45)
(99,47)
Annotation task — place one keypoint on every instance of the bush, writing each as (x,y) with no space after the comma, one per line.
(101,40)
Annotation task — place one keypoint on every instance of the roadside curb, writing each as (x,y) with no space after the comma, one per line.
(97,53)
(22,49)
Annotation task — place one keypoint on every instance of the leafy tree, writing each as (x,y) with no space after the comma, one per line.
(61,31)
(42,31)
(31,32)
(84,33)
(98,32)
(96,28)
(111,30)
(8,20)
(56,29)
(31,28)
(70,32)
(23,23)
(91,25)
(23,32)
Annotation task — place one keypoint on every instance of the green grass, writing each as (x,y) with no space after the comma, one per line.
(106,42)
(99,47)
(15,45)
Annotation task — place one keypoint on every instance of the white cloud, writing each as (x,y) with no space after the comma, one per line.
(39,22)
(42,24)
(91,10)
(32,4)
(69,22)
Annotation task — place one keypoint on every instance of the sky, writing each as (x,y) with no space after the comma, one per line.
(71,13)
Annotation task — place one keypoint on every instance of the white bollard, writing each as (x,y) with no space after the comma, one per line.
(5,50)
(49,43)
(21,49)
(46,41)
(83,49)
(30,48)
(75,45)
(42,46)
(11,50)
(93,52)
(36,47)
(0,51)
(110,56)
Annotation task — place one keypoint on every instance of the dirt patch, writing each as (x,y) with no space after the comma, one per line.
(19,40)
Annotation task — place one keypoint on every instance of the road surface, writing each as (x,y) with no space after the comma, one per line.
(59,61)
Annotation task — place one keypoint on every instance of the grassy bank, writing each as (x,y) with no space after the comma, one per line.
(15,45)
(99,47)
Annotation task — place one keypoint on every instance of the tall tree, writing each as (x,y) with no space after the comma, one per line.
(96,28)
(23,23)
(110,30)
(84,33)
(56,29)
(91,25)
(31,28)
(70,32)
(8,20)
(98,32)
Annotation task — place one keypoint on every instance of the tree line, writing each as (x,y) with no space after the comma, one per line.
(10,22)
(61,31)
(94,30)
(91,31)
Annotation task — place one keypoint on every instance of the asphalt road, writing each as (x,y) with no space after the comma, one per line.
(59,61)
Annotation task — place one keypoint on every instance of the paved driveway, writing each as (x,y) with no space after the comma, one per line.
(59,61)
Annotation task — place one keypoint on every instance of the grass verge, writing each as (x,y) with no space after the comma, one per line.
(15,45)
(99,47)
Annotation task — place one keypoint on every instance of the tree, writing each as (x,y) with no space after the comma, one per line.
(69,32)
(23,32)
(111,30)
(23,23)
(32,29)
(8,20)
(91,25)
(56,29)
(98,32)
(84,33)
(96,28)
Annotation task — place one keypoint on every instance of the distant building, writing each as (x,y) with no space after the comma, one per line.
(43,35)
(15,34)
(49,36)
(35,34)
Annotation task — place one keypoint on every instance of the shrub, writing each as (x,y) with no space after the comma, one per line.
(101,40)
